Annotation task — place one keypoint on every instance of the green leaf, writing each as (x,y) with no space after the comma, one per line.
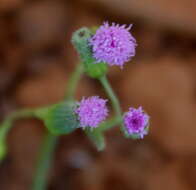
(60,118)
(97,138)
(80,40)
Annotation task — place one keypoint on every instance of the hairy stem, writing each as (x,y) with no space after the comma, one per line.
(44,162)
(115,103)
(109,124)
(7,123)
(73,81)
(49,144)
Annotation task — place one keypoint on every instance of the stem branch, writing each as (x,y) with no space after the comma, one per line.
(7,124)
(109,124)
(48,147)
(73,81)
(115,103)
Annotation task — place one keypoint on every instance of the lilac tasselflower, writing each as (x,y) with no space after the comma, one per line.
(91,111)
(113,44)
(136,122)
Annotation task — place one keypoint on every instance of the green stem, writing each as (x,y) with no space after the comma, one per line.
(109,124)
(7,124)
(44,162)
(73,81)
(112,96)
(48,147)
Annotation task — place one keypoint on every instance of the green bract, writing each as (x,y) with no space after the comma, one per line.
(134,136)
(80,40)
(60,118)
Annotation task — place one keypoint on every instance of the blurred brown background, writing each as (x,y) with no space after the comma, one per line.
(36,59)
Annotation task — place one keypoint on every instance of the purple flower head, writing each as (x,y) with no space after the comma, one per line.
(91,111)
(136,122)
(113,44)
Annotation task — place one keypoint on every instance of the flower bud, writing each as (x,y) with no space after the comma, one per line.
(80,40)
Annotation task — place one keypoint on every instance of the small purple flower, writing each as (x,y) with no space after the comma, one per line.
(136,122)
(91,111)
(113,44)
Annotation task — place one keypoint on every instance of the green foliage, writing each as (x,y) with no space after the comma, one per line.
(60,119)
(80,41)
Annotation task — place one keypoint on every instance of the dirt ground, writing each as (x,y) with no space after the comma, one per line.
(36,59)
